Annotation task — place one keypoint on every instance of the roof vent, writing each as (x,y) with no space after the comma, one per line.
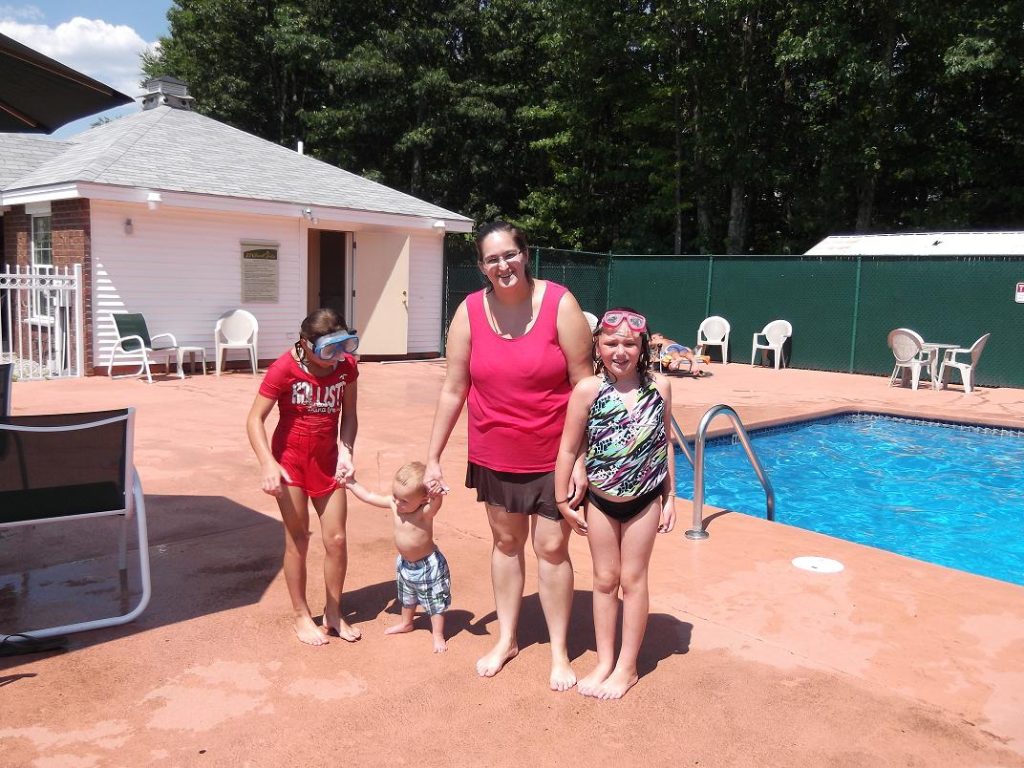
(166,90)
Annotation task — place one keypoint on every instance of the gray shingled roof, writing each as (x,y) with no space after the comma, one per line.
(181,151)
(20,153)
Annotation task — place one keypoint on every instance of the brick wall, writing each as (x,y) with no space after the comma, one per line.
(69,220)
(16,235)
(72,244)
(71,232)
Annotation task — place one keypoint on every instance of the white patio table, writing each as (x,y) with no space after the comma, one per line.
(935,352)
(191,352)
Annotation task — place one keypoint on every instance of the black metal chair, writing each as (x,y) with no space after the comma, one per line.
(60,467)
(6,385)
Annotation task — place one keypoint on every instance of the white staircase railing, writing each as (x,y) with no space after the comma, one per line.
(41,328)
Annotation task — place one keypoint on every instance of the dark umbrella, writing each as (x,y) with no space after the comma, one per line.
(39,95)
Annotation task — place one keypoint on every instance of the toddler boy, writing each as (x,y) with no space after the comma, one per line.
(421,570)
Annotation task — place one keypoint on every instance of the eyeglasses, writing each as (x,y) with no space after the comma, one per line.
(334,346)
(493,261)
(617,317)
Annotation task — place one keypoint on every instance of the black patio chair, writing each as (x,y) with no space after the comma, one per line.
(73,466)
(6,385)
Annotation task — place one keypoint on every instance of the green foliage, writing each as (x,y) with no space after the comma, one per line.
(643,126)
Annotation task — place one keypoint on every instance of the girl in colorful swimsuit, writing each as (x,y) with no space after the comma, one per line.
(314,387)
(622,416)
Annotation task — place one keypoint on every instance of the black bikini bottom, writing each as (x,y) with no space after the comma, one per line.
(624,510)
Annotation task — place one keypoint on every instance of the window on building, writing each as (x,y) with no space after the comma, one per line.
(42,242)
(42,299)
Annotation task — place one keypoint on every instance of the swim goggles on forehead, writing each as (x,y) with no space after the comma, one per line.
(334,346)
(617,317)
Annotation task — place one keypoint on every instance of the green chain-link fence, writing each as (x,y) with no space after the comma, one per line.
(585,274)
(841,308)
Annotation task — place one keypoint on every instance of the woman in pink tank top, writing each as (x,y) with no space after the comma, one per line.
(515,350)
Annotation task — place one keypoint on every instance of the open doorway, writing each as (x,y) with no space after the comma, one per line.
(330,272)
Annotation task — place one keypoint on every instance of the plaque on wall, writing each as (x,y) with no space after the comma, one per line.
(259,272)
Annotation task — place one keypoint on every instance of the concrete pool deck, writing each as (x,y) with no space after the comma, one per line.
(748,661)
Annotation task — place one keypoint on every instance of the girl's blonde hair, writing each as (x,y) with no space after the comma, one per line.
(411,476)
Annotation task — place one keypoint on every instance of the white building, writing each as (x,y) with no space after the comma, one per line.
(181,217)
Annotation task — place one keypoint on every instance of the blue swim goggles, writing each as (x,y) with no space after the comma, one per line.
(334,346)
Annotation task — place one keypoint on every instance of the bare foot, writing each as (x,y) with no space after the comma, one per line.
(308,631)
(491,662)
(590,684)
(437,632)
(617,684)
(338,627)
(399,628)
(562,675)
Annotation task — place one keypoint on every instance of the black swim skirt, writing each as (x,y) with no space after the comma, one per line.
(624,511)
(528,493)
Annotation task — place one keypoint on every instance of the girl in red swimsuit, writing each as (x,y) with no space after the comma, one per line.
(314,387)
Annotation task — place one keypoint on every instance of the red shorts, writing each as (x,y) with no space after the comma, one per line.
(311,461)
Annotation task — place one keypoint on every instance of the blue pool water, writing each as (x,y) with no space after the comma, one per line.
(949,494)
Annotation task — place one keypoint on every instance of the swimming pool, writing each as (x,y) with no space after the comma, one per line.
(951,494)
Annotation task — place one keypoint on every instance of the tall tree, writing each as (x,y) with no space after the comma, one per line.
(637,125)
(591,117)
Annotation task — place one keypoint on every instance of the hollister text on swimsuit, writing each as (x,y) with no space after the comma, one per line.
(319,399)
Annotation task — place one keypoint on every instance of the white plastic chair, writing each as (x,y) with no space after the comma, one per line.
(713,332)
(592,321)
(774,337)
(236,329)
(966,369)
(908,348)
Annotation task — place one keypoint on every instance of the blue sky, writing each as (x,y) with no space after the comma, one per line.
(102,39)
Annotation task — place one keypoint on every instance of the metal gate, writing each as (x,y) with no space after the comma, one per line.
(41,321)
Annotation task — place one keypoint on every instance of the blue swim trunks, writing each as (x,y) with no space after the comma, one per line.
(426,582)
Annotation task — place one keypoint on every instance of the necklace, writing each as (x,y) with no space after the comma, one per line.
(513,332)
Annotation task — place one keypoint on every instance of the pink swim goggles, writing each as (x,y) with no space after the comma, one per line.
(617,317)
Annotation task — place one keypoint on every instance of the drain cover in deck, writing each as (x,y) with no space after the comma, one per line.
(818,564)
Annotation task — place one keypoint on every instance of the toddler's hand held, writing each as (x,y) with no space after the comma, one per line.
(344,470)
(437,488)
(433,479)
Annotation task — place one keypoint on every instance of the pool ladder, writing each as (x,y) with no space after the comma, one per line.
(696,460)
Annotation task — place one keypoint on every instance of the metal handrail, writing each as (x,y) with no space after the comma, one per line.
(698,532)
(681,440)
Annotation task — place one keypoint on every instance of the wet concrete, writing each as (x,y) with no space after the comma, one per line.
(747,662)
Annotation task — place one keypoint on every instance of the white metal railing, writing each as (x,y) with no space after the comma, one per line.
(41,321)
